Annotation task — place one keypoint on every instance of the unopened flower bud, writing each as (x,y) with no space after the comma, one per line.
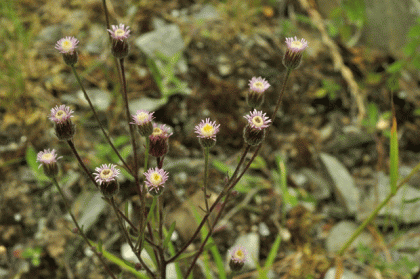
(254,132)
(293,55)
(159,145)
(64,127)
(48,159)
(106,177)
(119,35)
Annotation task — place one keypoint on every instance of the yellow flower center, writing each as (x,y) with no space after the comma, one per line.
(157,131)
(47,156)
(156,178)
(67,45)
(60,114)
(119,32)
(106,173)
(142,116)
(257,121)
(296,44)
(207,130)
(239,254)
(259,85)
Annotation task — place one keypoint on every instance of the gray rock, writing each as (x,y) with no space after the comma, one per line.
(207,13)
(99,98)
(251,243)
(50,34)
(341,232)
(318,186)
(98,39)
(146,103)
(90,205)
(343,184)
(404,206)
(347,274)
(166,40)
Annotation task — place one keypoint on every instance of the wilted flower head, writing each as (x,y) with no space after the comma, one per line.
(258,84)
(257,120)
(106,177)
(48,159)
(119,35)
(67,45)
(143,120)
(155,180)
(206,132)
(254,132)
(293,55)
(64,127)
(159,145)
(119,32)
(237,258)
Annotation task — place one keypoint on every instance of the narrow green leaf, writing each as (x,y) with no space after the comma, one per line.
(273,252)
(33,165)
(169,234)
(393,172)
(100,246)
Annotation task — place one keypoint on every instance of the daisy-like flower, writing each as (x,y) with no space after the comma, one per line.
(237,258)
(254,132)
(143,120)
(67,46)
(64,127)
(255,96)
(206,132)
(48,160)
(155,180)
(119,35)
(293,55)
(119,32)
(258,84)
(159,145)
(106,177)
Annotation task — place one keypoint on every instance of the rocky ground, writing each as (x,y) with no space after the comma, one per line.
(190,60)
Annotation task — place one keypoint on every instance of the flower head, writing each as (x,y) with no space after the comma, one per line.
(64,127)
(293,55)
(206,132)
(48,159)
(106,173)
(258,84)
(119,35)
(159,145)
(237,258)
(61,114)
(257,120)
(254,132)
(155,180)
(119,32)
(106,178)
(143,120)
(294,45)
(67,45)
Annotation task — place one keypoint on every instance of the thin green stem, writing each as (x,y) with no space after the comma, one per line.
(106,14)
(99,122)
(376,211)
(80,231)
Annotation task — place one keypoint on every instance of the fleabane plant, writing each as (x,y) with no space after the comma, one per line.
(154,140)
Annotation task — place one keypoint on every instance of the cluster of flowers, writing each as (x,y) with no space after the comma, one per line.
(158,135)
